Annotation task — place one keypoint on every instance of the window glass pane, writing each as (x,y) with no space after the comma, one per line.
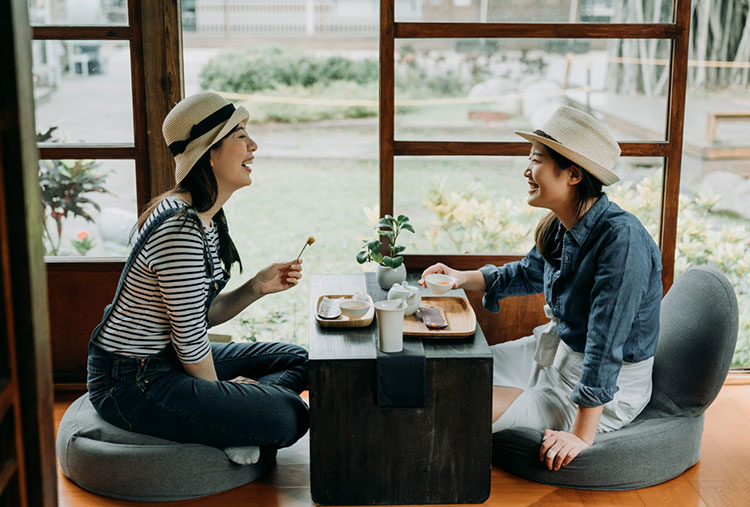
(89,206)
(83,90)
(713,226)
(478,204)
(483,90)
(534,11)
(350,18)
(78,12)
(291,199)
(316,168)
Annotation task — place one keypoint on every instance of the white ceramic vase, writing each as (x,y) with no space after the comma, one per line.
(388,276)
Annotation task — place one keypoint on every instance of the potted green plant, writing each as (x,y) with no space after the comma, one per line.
(66,186)
(391,267)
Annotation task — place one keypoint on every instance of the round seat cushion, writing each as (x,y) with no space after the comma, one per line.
(110,461)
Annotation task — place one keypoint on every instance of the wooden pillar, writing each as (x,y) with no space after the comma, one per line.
(387,105)
(161,27)
(674,135)
(28,472)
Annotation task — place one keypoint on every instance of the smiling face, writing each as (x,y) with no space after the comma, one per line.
(231,160)
(549,185)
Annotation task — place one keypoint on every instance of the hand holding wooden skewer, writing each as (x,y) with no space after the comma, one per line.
(310,241)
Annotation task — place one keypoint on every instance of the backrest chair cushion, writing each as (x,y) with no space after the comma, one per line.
(698,334)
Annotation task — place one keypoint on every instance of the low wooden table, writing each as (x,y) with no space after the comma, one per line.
(361,453)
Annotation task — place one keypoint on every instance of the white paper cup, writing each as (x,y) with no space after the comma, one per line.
(390,324)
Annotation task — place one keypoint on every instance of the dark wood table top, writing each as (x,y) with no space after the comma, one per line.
(330,343)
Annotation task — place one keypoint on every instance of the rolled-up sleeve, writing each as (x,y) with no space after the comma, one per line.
(620,283)
(519,278)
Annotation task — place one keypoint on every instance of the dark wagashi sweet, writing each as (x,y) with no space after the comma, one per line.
(432,316)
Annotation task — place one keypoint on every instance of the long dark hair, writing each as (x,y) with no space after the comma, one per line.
(201,184)
(588,188)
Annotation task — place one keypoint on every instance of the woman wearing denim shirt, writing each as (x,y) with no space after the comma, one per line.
(588,370)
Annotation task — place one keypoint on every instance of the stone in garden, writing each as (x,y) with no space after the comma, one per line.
(115,225)
(540,93)
(510,103)
(732,191)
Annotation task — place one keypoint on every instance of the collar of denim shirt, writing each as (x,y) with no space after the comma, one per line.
(580,232)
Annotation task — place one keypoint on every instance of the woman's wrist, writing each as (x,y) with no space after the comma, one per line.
(471,280)
(586,423)
(254,290)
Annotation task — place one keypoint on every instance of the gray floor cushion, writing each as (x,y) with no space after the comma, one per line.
(110,461)
(699,323)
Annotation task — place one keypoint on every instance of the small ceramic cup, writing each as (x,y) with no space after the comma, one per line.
(439,283)
(354,308)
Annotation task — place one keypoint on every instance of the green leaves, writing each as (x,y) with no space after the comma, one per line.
(252,71)
(397,249)
(64,186)
(374,246)
(385,223)
(392,262)
(362,257)
(390,228)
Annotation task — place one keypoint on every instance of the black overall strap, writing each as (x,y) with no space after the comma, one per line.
(139,244)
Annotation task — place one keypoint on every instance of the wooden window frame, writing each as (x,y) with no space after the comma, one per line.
(156,85)
(677,31)
(122,151)
(27,468)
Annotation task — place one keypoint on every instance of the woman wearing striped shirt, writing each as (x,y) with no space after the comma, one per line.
(151,368)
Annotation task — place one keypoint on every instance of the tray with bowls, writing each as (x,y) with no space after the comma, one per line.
(458,313)
(343,310)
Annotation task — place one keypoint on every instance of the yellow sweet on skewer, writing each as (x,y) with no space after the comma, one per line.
(310,241)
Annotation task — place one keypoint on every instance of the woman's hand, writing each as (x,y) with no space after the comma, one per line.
(560,448)
(244,380)
(442,269)
(278,277)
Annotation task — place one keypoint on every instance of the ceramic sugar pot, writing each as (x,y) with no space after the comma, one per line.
(408,293)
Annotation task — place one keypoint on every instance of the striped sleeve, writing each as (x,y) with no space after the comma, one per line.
(175,254)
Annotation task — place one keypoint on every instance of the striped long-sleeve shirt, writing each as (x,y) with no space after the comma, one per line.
(164,294)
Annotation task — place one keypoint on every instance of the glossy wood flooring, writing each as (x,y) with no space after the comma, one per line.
(721,477)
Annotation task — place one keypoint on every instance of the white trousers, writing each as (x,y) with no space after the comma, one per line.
(547,370)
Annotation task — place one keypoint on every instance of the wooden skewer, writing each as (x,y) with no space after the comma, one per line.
(309,241)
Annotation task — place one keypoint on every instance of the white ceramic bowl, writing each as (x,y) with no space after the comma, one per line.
(439,284)
(354,308)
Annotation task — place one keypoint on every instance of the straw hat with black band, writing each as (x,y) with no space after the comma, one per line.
(195,124)
(582,139)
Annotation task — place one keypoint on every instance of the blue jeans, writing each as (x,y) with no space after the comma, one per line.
(155,396)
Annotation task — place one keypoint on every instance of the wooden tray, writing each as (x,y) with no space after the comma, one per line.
(462,321)
(342,320)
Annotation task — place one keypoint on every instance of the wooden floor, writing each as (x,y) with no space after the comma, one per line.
(721,477)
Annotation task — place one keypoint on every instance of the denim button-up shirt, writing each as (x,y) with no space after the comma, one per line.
(603,283)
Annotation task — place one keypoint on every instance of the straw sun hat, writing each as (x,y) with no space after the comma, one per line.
(195,124)
(581,139)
